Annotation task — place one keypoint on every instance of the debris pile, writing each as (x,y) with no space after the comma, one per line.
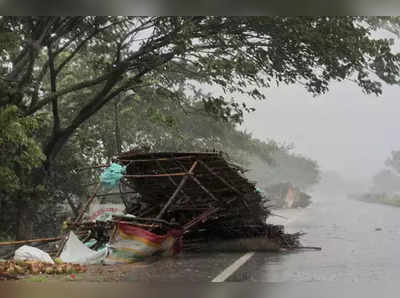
(285,195)
(203,194)
(173,201)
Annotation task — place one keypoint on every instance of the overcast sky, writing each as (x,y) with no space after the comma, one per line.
(344,130)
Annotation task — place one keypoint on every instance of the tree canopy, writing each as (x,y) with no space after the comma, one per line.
(41,57)
(63,79)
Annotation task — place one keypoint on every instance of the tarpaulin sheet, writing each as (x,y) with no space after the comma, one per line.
(131,243)
(76,252)
(111,175)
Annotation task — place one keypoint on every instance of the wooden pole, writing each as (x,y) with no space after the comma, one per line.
(146,219)
(205,189)
(158,159)
(77,220)
(172,180)
(89,201)
(12,243)
(151,226)
(220,178)
(177,190)
(202,217)
(179,164)
(156,175)
(226,183)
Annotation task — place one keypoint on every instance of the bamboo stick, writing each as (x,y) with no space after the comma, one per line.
(19,242)
(157,159)
(145,219)
(171,180)
(78,219)
(220,178)
(155,175)
(202,217)
(227,184)
(115,193)
(149,156)
(205,189)
(177,190)
(137,224)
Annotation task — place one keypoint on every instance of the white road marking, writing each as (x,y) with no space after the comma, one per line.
(224,275)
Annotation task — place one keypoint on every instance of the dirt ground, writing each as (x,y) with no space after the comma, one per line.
(94,273)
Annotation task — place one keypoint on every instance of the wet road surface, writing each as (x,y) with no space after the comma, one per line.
(360,243)
(196,267)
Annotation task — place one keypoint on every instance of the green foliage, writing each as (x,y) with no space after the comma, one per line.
(19,151)
(71,67)
(301,171)
(386,181)
(163,124)
(381,198)
(394,161)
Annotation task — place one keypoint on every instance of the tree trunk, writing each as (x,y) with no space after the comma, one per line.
(24,220)
(27,205)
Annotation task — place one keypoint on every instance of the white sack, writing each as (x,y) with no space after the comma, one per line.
(27,252)
(78,253)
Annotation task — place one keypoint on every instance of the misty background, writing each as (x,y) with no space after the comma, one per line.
(347,132)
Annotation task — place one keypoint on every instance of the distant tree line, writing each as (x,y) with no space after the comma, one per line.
(388,179)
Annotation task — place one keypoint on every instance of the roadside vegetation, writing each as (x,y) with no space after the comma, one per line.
(385,188)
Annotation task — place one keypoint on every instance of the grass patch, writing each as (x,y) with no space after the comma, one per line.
(36,278)
(381,199)
(390,201)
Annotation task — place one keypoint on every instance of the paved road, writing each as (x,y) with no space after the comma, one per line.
(197,267)
(360,243)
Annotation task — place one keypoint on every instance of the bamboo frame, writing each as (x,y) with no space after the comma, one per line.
(171,180)
(219,177)
(200,184)
(205,189)
(177,190)
(226,183)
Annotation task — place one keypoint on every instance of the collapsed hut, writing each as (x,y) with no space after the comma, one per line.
(193,189)
(201,193)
